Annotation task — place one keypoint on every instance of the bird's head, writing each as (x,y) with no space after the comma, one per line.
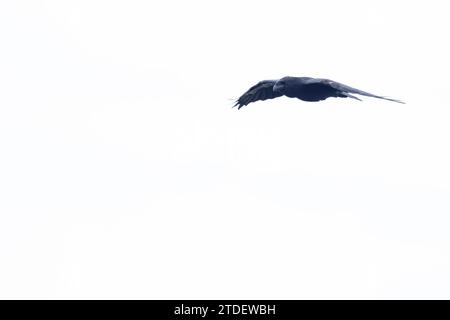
(280,85)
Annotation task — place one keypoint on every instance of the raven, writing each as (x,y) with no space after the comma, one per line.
(303,88)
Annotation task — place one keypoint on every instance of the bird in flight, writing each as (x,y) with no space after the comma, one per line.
(303,88)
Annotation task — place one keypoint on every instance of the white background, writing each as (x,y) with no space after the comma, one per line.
(125,173)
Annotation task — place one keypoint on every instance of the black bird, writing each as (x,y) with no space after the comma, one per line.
(303,88)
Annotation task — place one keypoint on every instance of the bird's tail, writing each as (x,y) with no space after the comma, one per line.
(390,99)
(348,95)
(367,94)
(347,90)
(380,97)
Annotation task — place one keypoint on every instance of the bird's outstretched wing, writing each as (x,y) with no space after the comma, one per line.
(263,90)
(347,91)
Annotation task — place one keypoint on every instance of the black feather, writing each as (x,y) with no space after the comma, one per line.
(303,88)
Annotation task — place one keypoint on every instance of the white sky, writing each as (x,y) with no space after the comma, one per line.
(124,173)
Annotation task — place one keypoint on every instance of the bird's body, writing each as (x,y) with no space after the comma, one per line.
(303,88)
